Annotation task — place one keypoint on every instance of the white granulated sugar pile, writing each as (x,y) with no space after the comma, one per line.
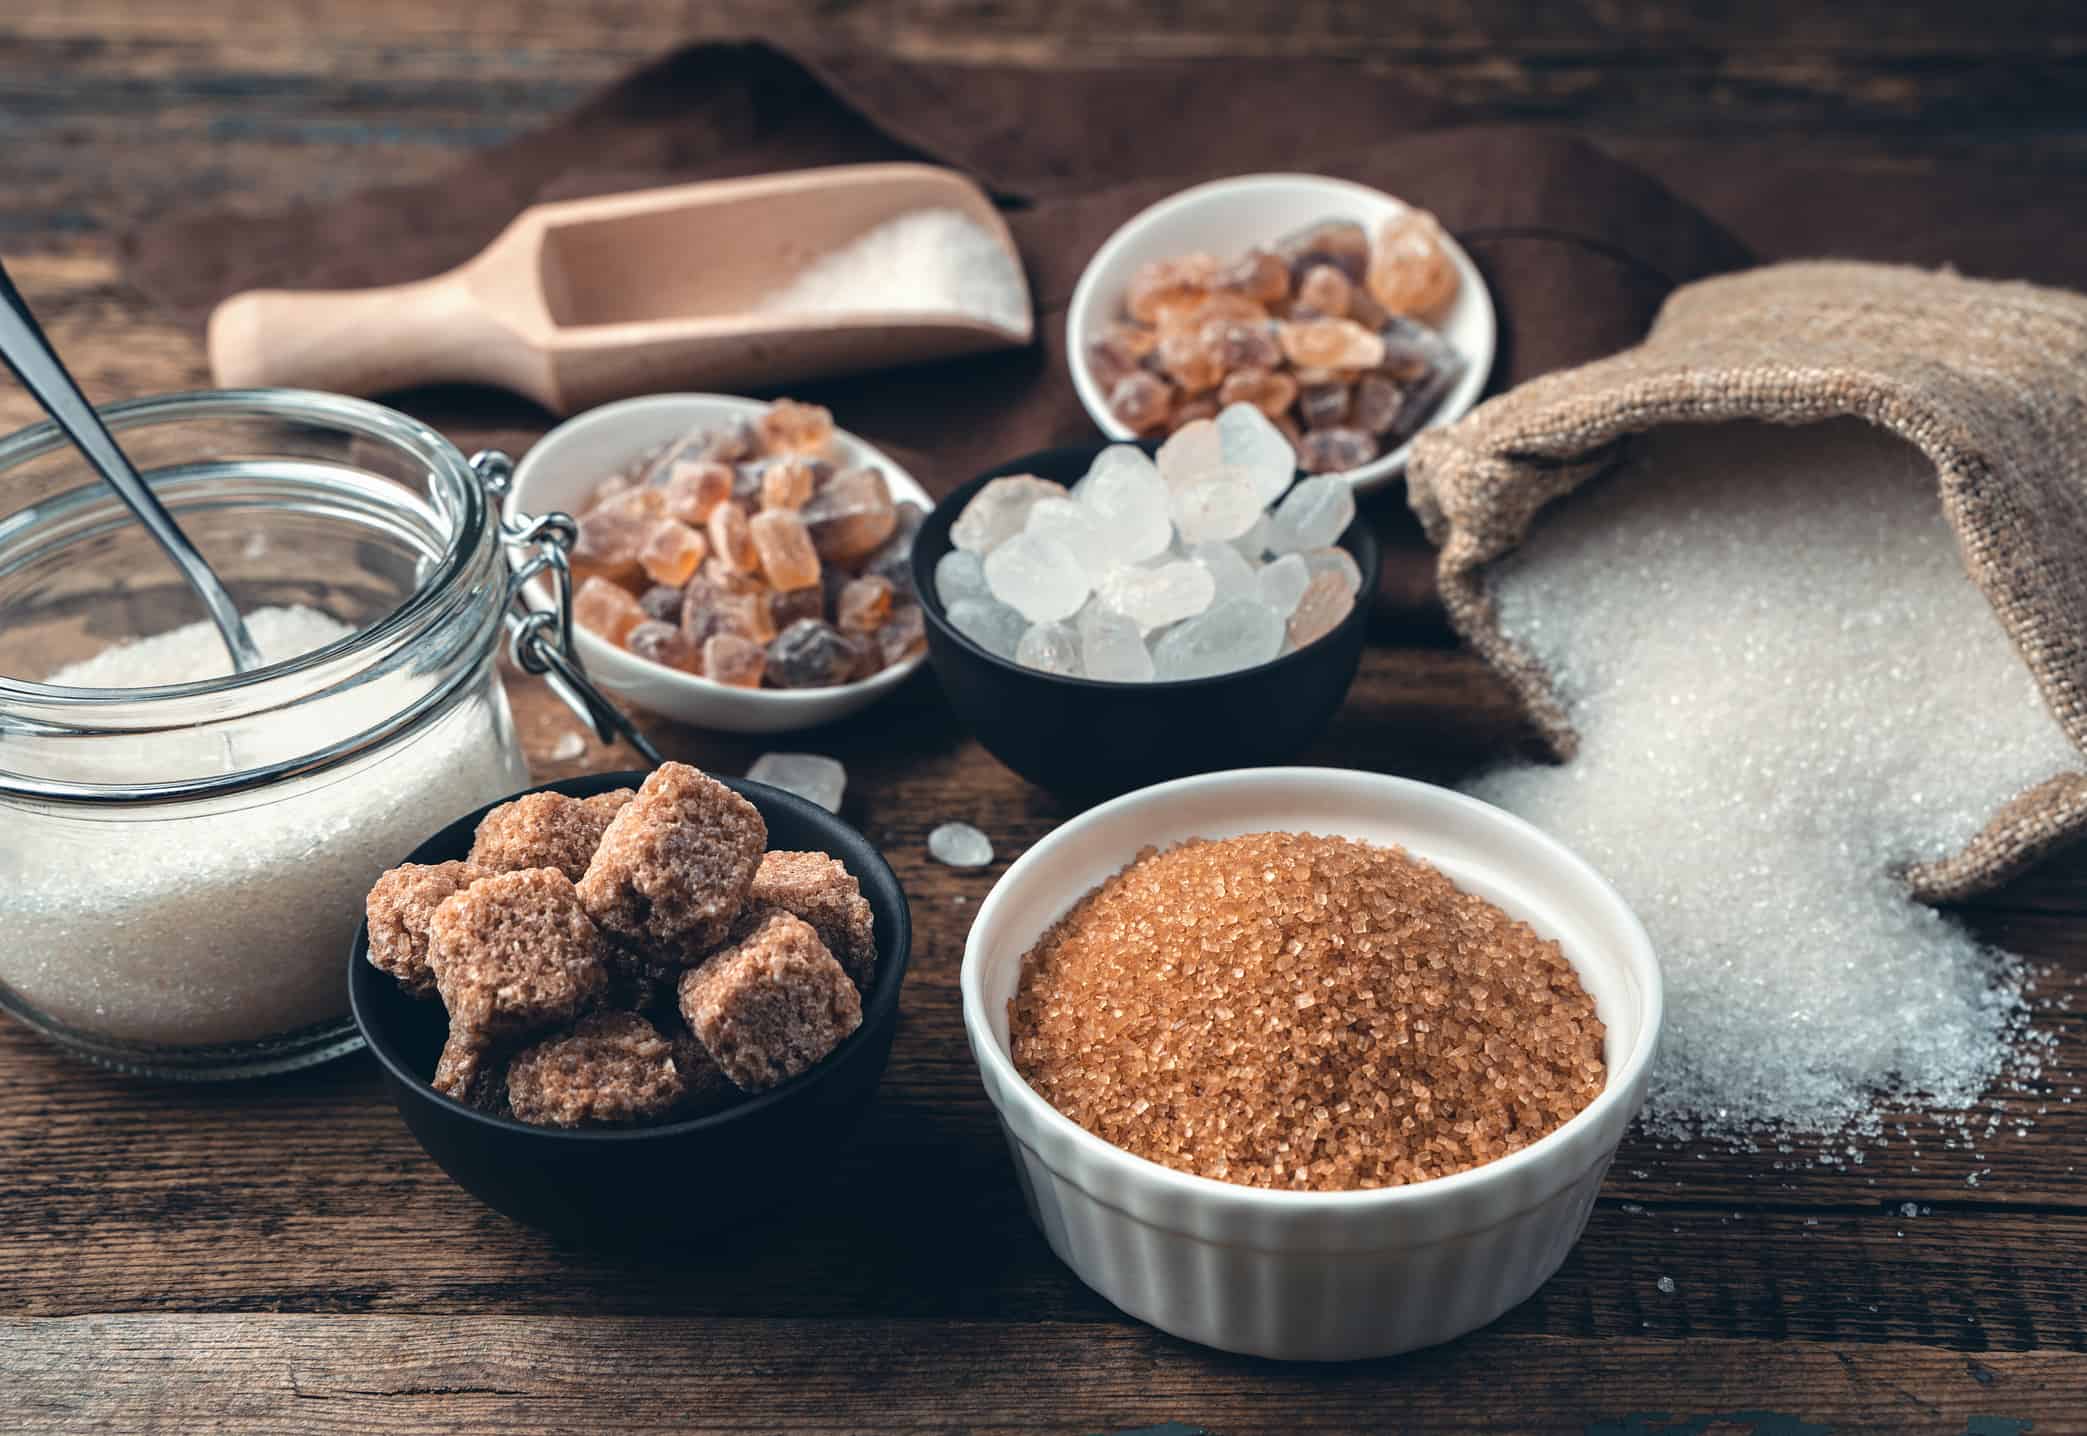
(228,922)
(1786,689)
(933,261)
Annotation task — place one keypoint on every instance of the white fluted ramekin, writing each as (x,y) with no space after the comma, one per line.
(1316,1276)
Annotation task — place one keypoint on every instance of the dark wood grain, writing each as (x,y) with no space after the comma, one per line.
(280,1256)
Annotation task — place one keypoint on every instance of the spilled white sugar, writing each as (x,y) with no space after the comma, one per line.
(927,261)
(230,922)
(1786,689)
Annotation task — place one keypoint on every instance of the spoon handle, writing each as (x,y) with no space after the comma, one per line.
(29,353)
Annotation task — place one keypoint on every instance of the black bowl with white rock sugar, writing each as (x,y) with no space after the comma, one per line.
(1108,616)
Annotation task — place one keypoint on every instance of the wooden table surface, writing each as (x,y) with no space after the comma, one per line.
(280,1256)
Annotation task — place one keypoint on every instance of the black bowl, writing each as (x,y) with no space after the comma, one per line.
(616,1186)
(1074,735)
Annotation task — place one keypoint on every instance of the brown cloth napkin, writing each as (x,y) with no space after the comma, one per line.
(1579,248)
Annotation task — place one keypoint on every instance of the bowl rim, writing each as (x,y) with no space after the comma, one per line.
(1366,477)
(882,999)
(1358,532)
(1004,1084)
(607,416)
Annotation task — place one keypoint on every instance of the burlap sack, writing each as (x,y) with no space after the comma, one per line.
(1988,380)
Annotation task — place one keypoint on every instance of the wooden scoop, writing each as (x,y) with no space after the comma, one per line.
(585,300)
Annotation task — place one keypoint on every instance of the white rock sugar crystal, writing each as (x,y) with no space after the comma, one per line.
(927,261)
(960,846)
(1126,493)
(989,623)
(1283,582)
(960,573)
(1173,552)
(1238,633)
(1253,445)
(1786,689)
(1313,515)
(1155,597)
(1112,647)
(1208,497)
(1050,648)
(1037,576)
(999,510)
(227,922)
(812,776)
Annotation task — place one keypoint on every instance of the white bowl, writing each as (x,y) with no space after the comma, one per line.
(1226,218)
(561,471)
(1316,1276)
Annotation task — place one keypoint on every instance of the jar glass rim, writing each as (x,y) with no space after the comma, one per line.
(458,498)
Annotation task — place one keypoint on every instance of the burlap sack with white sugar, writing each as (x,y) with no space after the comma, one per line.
(1988,380)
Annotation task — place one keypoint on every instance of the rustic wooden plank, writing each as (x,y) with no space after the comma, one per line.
(369,1374)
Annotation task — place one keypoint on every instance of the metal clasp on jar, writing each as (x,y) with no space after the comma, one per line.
(540,639)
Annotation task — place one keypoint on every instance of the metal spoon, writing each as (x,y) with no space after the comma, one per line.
(29,353)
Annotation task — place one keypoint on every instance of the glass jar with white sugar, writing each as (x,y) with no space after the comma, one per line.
(183,852)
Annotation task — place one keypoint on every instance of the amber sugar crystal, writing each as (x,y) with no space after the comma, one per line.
(1306,1013)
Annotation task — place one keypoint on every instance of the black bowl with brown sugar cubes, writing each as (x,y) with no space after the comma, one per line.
(629,1008)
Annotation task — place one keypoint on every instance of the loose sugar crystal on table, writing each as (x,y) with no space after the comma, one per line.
(960,846)
(811,776)
(1050,648)
(1037,576)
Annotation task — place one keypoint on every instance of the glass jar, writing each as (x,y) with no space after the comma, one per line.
(182,867)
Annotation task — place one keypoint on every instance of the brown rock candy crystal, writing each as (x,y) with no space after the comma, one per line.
(674,866)
(1284,1010)
(771,1004)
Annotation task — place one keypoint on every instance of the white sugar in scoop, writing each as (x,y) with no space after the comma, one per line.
(1786,689)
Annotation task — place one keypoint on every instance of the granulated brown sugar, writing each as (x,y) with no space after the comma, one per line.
(1310,1013)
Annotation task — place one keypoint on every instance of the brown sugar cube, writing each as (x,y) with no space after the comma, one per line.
(400,906)
(816,888)
(612,1069)
(472,1072)
(674,866)
(514,954)
(606,609)
(771,1004)
(785,546)
(670,552)
(545,830)
(705,1088)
